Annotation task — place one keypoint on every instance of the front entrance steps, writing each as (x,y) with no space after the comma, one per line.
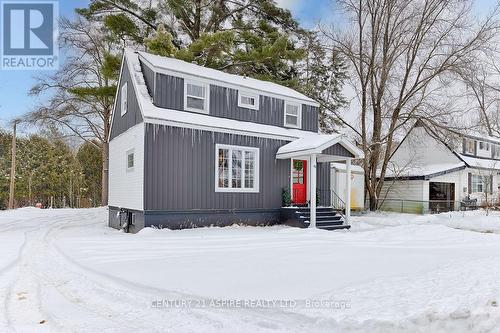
(327,218)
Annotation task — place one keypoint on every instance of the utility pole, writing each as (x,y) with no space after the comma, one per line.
(13,169)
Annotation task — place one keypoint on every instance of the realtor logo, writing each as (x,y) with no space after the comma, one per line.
(29,35)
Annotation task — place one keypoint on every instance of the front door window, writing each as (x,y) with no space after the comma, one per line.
(299,179)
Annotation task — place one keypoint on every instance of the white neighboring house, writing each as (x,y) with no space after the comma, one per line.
(338,184)
(433,172)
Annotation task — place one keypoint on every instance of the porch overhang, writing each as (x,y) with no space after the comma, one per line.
(322,148)
(319,145)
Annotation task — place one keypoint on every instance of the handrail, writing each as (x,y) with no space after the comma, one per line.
(330,198)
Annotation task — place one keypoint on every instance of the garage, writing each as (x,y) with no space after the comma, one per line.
(441,197)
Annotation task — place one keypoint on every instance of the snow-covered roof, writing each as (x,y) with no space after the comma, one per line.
(481,136)
(315,145)
(422,171)
(155,114)
(265,87)
(342,166)
(483,163)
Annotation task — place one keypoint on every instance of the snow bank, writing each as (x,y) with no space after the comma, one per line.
(391,273)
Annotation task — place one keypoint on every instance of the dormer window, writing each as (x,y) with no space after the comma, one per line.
(293,115)
(470,146)
(248,100)
(195,96)
(496,150)
(484,146)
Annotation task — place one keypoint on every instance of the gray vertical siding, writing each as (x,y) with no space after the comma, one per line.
(323,183)
(149,78)
(180,171)
(224,103)
(338,150)
(309,118)
(133,116)
(169,92)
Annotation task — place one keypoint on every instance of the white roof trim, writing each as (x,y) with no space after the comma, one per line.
(316,145)
(176,67)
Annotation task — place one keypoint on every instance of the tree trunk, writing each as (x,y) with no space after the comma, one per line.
(105,173)
(13,170)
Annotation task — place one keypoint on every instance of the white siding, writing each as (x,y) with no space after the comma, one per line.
(126,187)
(404,195)
(403,190)
(338,184)
(420,149)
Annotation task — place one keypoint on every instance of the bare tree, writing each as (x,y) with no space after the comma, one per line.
(400,53)
(82,92)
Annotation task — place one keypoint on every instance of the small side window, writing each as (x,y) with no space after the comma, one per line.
(130,160)
(124,103)
(248,100)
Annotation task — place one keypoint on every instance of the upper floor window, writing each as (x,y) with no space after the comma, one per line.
(484,146)
(124,103)
(236,169)
(195,96)
(470,146)
(496,151)
(248,100)
(130,160)
(293,115)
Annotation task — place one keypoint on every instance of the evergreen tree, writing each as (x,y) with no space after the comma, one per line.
(90,159)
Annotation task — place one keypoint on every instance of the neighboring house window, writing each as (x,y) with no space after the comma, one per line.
(293,115)
(195,96)
(248,100)
(124,103)
(477,183)
(236,169)
(484,146)
(470,146)
(130,160)
(497,151)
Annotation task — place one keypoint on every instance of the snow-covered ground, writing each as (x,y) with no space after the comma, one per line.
(65,271)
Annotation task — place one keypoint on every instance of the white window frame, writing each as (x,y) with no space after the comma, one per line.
(469,143)
(244,149)
(206,103)
(484,146)
(124,99)
(477,180)
(127,154)
(247,94)
(496,151)
(299,115)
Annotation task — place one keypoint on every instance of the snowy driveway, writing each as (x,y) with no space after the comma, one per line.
(64,271)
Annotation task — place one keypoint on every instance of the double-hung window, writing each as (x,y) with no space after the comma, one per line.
(477,184)
(470,146)
(236,169)
(196,96)
(484,146)
(496,149)
(293,115)
(248,100)
(123,97)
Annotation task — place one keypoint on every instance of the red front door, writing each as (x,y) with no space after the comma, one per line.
(299,176)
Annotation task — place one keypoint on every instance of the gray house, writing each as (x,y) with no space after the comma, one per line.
(192,146)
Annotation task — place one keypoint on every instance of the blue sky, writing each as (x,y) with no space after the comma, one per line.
(14,85)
